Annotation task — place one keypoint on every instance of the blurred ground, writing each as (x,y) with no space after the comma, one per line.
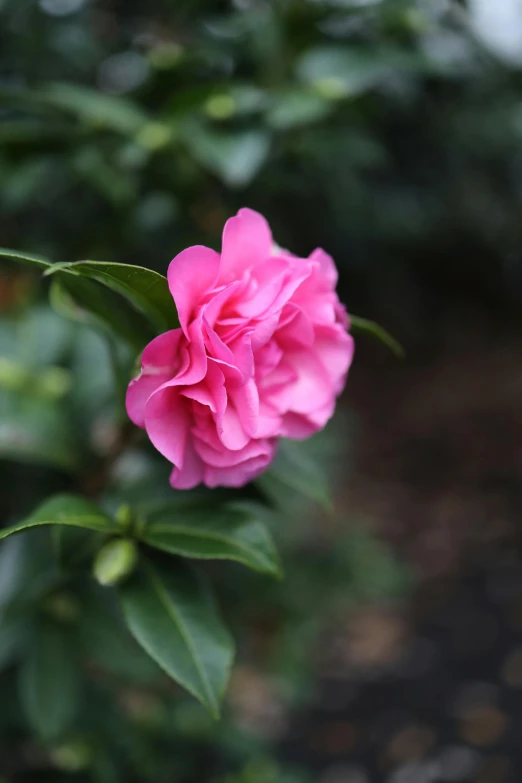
(431,690)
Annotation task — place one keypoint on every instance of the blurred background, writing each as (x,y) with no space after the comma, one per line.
(388,132)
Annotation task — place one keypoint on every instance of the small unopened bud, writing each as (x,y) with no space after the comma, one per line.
(115,561)
(124,517)
(75,756)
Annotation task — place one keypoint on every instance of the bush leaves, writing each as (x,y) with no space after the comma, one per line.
(64,510)
(172,616)
(49,683)
(142,307)
(146,290)
(372,328)
(214,533)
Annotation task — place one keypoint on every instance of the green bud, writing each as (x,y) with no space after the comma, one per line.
(331,87)
(54,383)
(220,107)
(154,136)
(13,376)
(115,561)
(124,517)
(74,756)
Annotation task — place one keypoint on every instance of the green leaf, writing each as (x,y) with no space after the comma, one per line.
(64,510)
(340,71)
(296,108)
(36,430)
(206,532)
(94,107)
(13,637)
(25,258)
(295,468)
(44,337)
(172,616)
(106,641)
(145,289)
(86,302)
(49,683)
(28,573)
(372,328)
(235,158)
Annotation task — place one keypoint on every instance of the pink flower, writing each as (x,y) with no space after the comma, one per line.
(262,353)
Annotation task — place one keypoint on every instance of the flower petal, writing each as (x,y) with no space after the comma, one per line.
(192,273)
(159,361)
(247,242)
(192,472)
(167,423)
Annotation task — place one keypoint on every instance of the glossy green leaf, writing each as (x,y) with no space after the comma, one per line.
(86,302)
(207,532)
(106,641)
(25,258)
(36,430)
(235,158)
(64,509)
(94,106)
(296,469)
(43,338)
(338,71)
(49,683)
(172,616)
(13,636)
(297,108)
(370,327)
(28,572)
(146,290)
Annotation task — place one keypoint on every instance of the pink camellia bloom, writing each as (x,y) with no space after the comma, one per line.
(262,353)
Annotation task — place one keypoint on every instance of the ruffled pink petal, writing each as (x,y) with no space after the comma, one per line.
(335,347)
(246,401)
(220,302)
(224,458)
(311,389)
(239,475)
(194,366)
(269,422)
(210,391)
(243,356)
(270,279)
(192,472)
(297,331)
(162,353)
(138,392)
(192,273)
(247,242)
(230,430)
(167,423)
(326,265)
(159,361)
(298,427)
(281,377)
(263,330)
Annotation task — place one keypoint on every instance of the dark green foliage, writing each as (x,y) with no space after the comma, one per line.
(387,132)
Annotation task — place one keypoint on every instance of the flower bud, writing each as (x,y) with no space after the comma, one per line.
(124,517)
(115,561)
